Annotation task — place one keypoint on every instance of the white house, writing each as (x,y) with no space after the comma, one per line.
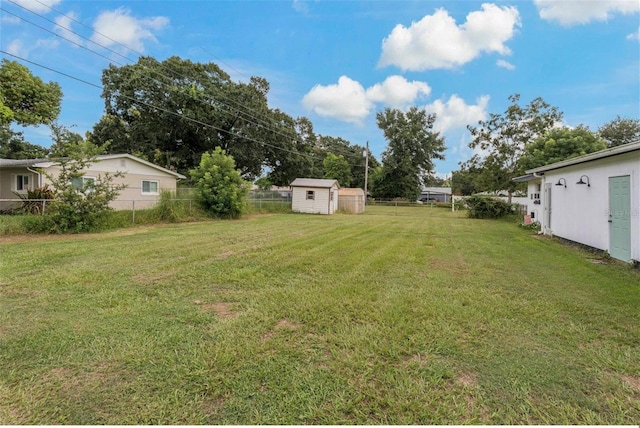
(144,180)
(592,199)
(314,196)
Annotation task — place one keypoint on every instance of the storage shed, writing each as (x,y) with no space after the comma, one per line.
(314,196)
(351,200)
(593,200)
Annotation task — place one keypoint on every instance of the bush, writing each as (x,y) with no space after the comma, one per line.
(483,207)
(31,206)
(220,188)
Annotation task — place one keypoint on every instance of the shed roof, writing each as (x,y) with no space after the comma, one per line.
(614,151)
(314,182)
(442,190)
(351,191)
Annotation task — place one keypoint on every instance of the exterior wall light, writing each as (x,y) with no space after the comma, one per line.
(562,182)
(583,182)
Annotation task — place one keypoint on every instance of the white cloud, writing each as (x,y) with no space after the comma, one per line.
(568,13)
(38,6)
(397,92)
(301,6)
(7,19)
(505,64)
(15,48)
(120,27)
(63,27)
(436,41)
(346,101)
(455,113)
(634,36)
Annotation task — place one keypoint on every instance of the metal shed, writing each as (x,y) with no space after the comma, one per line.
(351,200)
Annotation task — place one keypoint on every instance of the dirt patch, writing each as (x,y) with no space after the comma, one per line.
(283,324)
(419,359)
(632,381)
(61,372)
(221,309)
(466,379)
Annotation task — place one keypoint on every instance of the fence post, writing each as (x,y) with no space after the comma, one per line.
(133,212)
(44,205)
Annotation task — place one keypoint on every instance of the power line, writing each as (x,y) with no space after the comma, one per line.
(268,120)
(265,125)
(156,107)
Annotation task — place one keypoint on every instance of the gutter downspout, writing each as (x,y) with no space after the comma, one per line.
(38,174)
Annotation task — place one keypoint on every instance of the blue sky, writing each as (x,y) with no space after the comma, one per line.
(340,62)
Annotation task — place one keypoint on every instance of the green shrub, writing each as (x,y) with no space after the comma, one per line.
(31,206)
(220,188)
(484,207)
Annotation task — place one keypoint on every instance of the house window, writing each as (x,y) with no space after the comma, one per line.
(311,195)
(80,183)
(21,183)
(150,187)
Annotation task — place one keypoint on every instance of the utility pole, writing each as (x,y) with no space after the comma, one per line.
(366,172)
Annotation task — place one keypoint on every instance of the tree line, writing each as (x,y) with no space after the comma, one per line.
(172,112)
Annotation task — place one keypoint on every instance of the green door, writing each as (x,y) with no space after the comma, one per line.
(620,217)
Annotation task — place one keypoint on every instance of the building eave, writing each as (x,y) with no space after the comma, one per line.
(602,154)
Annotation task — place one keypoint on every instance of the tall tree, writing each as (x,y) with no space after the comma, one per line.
(503,137)
(24,98)
(412,147)
(462,182)
(337,168)
(620,131)
(171,112)
(559,144)
(27,101)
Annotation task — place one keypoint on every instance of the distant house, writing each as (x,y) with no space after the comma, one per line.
(314,196)
(435,194)
(144,180)
(351,200)
(592,199)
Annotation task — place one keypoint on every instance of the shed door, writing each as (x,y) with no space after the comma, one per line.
(547,208)
(620,217)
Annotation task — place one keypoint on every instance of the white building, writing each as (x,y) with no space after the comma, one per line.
(592,199)
(314,196)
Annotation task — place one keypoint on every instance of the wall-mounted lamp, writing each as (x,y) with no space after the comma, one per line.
(562,182)
(583,182)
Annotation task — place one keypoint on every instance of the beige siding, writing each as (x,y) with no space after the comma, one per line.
(135,173)
(322,203)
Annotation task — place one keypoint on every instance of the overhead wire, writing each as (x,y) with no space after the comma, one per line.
(71,18)
(267,125)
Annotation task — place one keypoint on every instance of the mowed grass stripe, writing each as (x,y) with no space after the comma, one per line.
(398,316)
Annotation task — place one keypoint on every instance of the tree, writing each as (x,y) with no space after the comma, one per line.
(24,98)
(620,131)
(462,182)
(13,146)
(559,144)
(171,112)
(80,204)
(27,101)
(412,147)
(337,168)
(503,137)
(220,188)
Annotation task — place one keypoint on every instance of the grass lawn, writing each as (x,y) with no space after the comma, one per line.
(398,316)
